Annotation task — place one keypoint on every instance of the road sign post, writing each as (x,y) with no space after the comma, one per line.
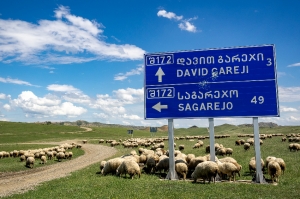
(225,82)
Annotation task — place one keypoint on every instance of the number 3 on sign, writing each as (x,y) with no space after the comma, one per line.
(259,100)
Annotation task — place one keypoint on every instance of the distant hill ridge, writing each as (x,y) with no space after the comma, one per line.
(162,128)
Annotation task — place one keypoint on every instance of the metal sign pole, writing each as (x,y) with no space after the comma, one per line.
(211,139)
(259,174)
(172,175)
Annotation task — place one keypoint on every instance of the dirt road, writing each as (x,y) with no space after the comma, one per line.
(20,182)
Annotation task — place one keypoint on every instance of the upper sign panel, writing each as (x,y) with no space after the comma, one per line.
(176,81)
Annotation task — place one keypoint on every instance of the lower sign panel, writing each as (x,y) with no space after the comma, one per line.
(214,99)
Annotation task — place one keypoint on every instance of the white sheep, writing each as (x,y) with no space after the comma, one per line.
(60,156)
(112,165)
(102,164)
(43,160)
(274,170)
(181,169)
(189,157)
(281,163)
(129,166)
(30,162)
(252,164)
(228,168)
(207,170)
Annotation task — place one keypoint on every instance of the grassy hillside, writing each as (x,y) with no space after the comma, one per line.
(88,183)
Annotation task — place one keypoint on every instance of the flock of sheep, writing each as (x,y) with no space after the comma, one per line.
(31,156)
(156,160)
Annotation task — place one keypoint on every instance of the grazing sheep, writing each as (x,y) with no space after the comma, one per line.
(181,169)
(195,161)
(43,160)
(60,156)
(30,162)
(130,167)
(281,163)
(283,139)
(84,141)
(150,164)
(269,159)
(247,146)
(189,157)
(101,141)
(228,168)
(181,147)
(274,171)
(22,158)
(294,147)
(111,166)
(207,170)
(50,155)
(238,142)
(78,146)
(252,164)
(102,164)
(229,151)
(162,165)
(221,151)
(196,146)
(70,155)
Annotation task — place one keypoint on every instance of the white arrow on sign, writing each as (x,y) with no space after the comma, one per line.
(158,107)
(159,73)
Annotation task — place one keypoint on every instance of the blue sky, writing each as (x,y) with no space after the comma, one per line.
(71,60)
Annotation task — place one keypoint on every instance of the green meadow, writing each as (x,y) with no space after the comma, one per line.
(88,183)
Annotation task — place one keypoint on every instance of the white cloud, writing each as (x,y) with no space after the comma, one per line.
(122,76)
(294,119)
(287,109)
(130,95)
(188,26)
(131,117)
(14,81)
(100,115)
(289,94)
(2,96)
(7,107)
(169,15)
(184,24)
(294,65)
(49,105)
(67,39)
(62,88)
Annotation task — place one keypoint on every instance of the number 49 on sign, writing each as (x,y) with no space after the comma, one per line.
(259,100)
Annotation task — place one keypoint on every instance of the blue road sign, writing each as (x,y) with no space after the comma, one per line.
(227,82)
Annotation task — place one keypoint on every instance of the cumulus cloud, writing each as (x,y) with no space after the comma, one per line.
(7,107)
(289,94)
(114,106)
(185,24)
(2,96)
(66,39)
(188,26)
(169,15)
(49,105)
(123,76)
(14,81)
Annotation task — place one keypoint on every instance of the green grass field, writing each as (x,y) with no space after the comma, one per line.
(88,183)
